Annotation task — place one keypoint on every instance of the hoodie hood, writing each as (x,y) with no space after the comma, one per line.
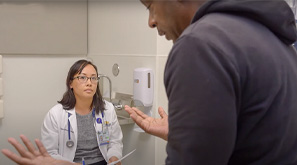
(274,14)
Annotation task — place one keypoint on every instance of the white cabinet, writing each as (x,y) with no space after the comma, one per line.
(43,27)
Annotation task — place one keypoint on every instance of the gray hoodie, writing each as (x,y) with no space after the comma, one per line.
(231,82)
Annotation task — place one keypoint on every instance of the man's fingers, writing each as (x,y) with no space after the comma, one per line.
(138,116)
(29,145)
(131,112)
(41,148)
(134,112)
(14,157)
(140,113)
(128,109)
(20,148)
(140,122)
(162,113)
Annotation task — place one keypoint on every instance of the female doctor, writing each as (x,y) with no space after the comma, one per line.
(83,128)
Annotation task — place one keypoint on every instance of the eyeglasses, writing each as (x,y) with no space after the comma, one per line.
(84,79)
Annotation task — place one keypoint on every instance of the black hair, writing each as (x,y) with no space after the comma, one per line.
(68,101)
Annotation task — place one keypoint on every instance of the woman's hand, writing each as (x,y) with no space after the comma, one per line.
(113,159)
(157,127)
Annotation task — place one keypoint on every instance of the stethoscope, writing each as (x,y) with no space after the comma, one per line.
(70,142)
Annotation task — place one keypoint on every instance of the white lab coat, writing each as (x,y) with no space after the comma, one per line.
(54,133)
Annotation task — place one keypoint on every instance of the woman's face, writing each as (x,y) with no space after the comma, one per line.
(84,85)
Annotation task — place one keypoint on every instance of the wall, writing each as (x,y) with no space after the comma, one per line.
(48,27)
(118,32)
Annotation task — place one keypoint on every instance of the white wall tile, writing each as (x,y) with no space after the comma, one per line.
(51,27)
(1,64)
(1,87)
(120,28)
(163,46)
(142,142)
(1,109)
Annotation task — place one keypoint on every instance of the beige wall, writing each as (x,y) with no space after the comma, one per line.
(48,27)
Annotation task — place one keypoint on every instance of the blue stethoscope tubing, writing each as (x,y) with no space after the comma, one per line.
(70,142)
(98,120)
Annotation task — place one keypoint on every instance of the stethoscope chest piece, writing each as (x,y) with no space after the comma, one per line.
(69,143)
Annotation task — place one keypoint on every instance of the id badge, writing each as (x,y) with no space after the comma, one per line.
(104,136)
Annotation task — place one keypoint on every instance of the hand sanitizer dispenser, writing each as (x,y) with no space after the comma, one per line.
(143,91)
(143,87)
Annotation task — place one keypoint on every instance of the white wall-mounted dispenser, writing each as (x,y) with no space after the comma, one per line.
(143,91)
(143,86)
